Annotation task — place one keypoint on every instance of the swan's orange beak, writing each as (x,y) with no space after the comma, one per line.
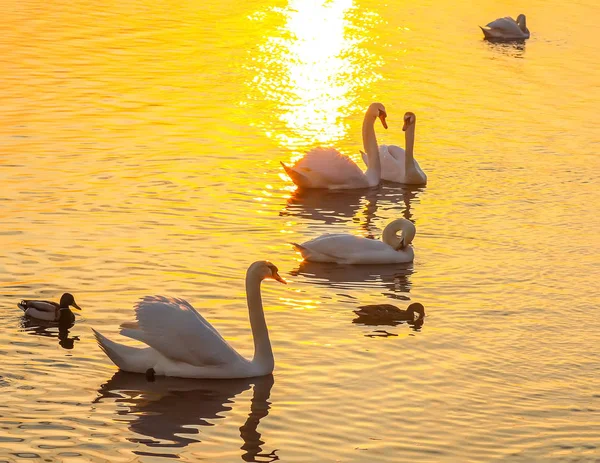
(278,278)
(74,304)
(382,116)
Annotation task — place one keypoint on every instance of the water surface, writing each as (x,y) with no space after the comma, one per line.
(140,155)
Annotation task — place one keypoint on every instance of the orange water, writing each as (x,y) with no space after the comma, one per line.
(141,144)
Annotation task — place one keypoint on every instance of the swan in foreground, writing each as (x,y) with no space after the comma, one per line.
(398,165)
(343,248)
(507,29)
(182,343)
(328,168)
(51,311)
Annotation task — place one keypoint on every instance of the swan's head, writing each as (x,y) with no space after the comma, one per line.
(416,308)
(409,119)
(390,234)
(266,270)
(378,110)
(67,300)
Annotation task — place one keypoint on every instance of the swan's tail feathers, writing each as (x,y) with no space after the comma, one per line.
(127,358)
(487,33)
(298,247)
(22,305)
(298,178)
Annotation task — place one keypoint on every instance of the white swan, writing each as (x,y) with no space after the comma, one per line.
(182,343)
(328,168)
(507,29)
(398,165)
(342,248)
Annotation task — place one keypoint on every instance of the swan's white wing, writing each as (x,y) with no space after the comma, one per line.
(343,247)
(175,329)
(395,152)
(326,167)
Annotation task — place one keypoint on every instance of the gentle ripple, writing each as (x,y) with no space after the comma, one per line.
(141,148)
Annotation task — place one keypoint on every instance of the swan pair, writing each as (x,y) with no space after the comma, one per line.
(328,168)
(505,29)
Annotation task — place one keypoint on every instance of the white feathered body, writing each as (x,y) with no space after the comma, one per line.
(327,168)
(394,168)
(505,29)
(181,343)
(342,248)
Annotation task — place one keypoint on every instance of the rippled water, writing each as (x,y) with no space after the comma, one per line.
(140,155)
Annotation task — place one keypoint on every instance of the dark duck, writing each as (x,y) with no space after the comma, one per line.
(51,311)
(387,314)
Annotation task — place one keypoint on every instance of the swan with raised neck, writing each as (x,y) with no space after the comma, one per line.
(180,342)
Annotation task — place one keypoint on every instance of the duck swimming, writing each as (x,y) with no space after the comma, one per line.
(51,311)
(387,314)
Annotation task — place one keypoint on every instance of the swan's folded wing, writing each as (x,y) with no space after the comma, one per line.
(175,329)
(343,246)
(329,166)
(506,25)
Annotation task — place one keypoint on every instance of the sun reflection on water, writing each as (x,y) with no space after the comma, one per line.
(312,68)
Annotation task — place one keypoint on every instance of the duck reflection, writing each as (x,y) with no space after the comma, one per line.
(168,409)
(50,330)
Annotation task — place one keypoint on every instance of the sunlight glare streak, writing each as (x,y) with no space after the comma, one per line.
(318,67)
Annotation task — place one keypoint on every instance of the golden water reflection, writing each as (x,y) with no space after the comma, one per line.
(166,410)
(313,68)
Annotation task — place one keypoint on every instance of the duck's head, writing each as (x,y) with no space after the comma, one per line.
(378,110)
(266,270)
(416,308)
(67,300)
(409,120)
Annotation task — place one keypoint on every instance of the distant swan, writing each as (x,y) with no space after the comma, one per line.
(507,29)
(51,311)
(343,248)
(398,165)
(182,343)
(328,168)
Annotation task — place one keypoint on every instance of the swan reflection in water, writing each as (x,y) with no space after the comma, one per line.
(514,49)
(49,329)
(331,206)
(393,277)
(168,409)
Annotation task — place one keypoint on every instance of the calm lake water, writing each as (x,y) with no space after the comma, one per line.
(140,148)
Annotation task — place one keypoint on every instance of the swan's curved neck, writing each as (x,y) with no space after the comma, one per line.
(373,172)
(263,353)
(410,143)
(390,233)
